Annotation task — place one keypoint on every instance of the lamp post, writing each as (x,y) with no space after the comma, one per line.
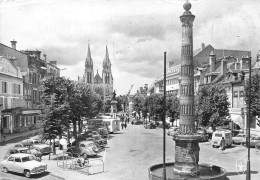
(248,172)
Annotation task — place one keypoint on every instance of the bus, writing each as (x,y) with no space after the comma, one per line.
(94,124)
(112,124)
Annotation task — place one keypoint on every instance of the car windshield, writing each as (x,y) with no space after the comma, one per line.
(218,135)
(25,151)
(36,142)
(28,158)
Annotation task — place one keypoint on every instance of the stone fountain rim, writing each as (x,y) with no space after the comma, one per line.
(223,172)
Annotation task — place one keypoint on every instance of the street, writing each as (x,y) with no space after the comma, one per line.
(133,150)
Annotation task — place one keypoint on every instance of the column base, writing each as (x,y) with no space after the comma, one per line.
(186,156)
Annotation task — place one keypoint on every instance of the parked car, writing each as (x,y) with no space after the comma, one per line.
(137,122)
(209,131)
(32,141)
(15,150)
(84,147)
(150,126)
(253,141)
(23,163)
(172,131)
(23,144)
(239,139)
(43,148)
(104,133)
(203,135)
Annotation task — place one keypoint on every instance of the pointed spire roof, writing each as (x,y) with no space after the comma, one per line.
(107,56)
(89,54)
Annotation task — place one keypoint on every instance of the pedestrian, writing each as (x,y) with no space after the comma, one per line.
(125,125)
(122,125)
(132,122)
(4,139)
(222,144)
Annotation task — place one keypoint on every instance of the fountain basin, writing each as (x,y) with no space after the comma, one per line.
(206,172)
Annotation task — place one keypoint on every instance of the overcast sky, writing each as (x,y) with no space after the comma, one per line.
(137,32)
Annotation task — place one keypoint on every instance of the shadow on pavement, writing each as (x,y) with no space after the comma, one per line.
(35,176)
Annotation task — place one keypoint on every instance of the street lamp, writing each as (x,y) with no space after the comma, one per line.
(248,173)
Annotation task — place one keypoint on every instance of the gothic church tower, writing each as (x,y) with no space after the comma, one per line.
(107,75)
(89,72)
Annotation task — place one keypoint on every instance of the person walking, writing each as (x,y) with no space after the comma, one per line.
(222,144)
(125,125)
(122,125)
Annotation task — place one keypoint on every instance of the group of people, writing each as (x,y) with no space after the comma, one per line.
(125,119)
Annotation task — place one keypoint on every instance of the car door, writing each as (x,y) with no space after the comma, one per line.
(18,165)
(10,163)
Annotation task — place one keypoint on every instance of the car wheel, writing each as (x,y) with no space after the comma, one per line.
(27,173)
(5,169)
(213,146)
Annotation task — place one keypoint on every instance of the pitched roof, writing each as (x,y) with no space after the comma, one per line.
(97,78)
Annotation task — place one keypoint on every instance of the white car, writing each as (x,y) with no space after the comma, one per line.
(23,163)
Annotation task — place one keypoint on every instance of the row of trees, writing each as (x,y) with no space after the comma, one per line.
(68,102)
(211,104)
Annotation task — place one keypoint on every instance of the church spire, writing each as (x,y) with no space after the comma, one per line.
(89,62)
(106,62)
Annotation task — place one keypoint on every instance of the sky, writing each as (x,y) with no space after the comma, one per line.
(136,32)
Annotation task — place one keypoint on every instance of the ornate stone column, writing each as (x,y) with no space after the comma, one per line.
(186,141)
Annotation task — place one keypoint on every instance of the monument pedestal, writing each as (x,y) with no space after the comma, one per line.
(186,156)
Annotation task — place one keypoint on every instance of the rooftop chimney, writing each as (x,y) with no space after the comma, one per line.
(202,46)
(45,57)
(13,43)
(212,61)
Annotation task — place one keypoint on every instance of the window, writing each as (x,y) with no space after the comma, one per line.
(17,159)
(241,93)
(4,87)
(5,121)
(11,159)
(82,145)
(235,93)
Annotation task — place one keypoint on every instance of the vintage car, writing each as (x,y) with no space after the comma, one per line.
(43,148)
(23,144)
(254,140)
(104,133)
(150,126)
(15,150)
(203,135)
(172,131)
(23,163)
(83,147)
(32,141)
(239,139)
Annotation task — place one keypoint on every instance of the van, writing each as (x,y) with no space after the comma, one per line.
(217,136)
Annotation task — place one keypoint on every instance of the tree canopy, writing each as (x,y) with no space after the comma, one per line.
(212,108)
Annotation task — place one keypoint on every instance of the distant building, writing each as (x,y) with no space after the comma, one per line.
(101,84)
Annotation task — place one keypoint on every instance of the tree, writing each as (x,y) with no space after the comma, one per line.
(213,106)
(138,102)
(173,107)
(54,97)
(255,95)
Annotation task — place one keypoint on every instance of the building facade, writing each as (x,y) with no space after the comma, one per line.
(101,84)
(26,115)
(11,94)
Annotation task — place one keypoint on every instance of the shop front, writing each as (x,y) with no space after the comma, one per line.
(20,120)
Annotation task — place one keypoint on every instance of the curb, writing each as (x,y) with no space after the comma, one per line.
(54,175)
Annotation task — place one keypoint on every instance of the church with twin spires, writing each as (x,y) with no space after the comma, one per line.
(101,84)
